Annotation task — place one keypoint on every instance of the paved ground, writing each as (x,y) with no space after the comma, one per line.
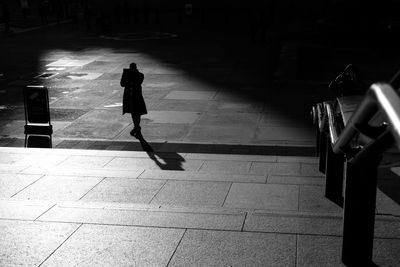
(204,87)
(112,208)
(241,203)
(197,89)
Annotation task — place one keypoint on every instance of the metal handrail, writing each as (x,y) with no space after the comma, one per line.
(380,97)
(331,125)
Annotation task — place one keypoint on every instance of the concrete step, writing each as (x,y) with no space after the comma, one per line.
(57,206)
(205,218)
(245,182)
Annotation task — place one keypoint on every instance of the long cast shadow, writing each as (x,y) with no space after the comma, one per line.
(389,184)
(172,160)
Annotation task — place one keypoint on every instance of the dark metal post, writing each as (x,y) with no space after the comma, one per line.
(334,176)
(359,212)
(322,151)
(318,141)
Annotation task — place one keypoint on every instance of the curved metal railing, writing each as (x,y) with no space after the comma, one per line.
(382,98)
(377,121)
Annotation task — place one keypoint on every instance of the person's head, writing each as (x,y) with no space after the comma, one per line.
(132,66)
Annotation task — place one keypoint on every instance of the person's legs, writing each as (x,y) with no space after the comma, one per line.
(136,124)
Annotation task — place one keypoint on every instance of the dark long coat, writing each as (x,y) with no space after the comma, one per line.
(133,101)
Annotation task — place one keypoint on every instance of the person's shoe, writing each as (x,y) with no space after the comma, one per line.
(135,132)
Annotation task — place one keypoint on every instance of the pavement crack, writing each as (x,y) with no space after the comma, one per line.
(244,222)
(159,190)
(296,250)
(37,218)
(173,254)
(41,177)
(90,190)
(62,243)
(226,196)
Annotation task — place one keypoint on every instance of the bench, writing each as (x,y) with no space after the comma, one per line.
(353,133)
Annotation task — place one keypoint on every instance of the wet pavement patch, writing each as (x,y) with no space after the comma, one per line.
(55,68)
(67,62)
(58,114)
(11,113)
(46,75)
(81,76)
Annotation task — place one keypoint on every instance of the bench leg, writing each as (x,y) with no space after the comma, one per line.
(334,176)
(359,213)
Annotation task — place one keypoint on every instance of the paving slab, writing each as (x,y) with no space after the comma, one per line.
(275,168)
(131,164)
(173,117)
(190,193)
(100,65)
(263,196)
(23,210)
(228,119)
(278,119)
(97,124)
(7,168)
(310,170)
(92,172)
(152,94)
(294,224)
(239,106)
(201,176)
(11,184)
(319,251)
(30,243)
(69,62)
(191,95)
(231,157)
(150,217)
(312,198)
(183,105)
(65,114)
(294,159)
(155,163)
(124,190)
(387,227)
(58,188)
(41,160)
(117,246)
(386,204)
(158,132)
(81,75)
(12,128)
(285,135)
(386,252)
(10,158)
(84,161)
(216,134)
(153,69)
(79,102)
(236,167)
(296,180)
(217,248)
(326,251)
